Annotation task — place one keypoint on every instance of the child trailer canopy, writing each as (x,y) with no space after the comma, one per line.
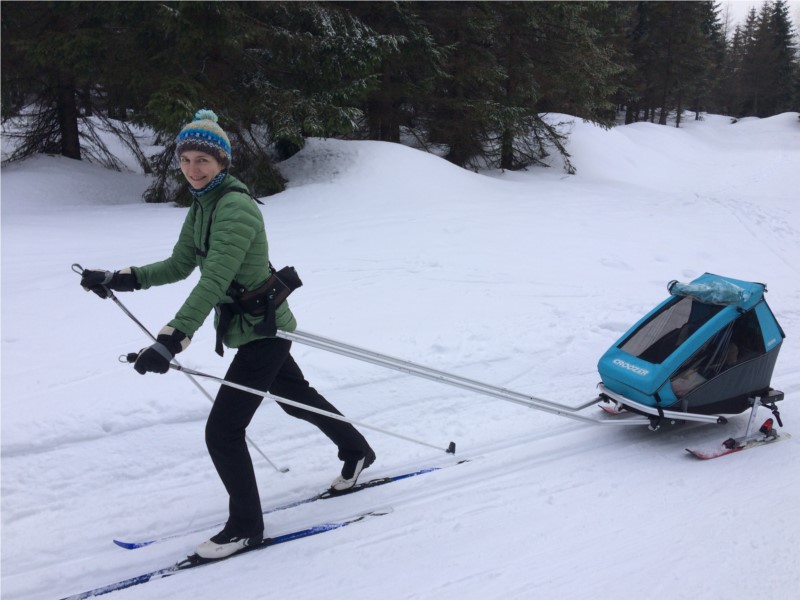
(707,349)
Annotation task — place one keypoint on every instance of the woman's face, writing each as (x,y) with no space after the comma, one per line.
(199,168)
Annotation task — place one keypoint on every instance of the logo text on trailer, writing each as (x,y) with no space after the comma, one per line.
(626,365)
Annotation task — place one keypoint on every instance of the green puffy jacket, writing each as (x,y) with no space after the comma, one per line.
(234,250)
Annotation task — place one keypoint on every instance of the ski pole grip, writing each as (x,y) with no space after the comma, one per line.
(130,357)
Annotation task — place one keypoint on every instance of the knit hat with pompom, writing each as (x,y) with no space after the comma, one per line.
(204,135)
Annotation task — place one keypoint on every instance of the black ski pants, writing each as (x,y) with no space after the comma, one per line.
(267,365)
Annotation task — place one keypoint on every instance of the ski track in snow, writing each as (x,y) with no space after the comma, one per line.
(521,280)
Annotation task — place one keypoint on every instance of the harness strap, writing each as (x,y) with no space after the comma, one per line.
(269,326)
(262,301)
(237,189)
(225,313)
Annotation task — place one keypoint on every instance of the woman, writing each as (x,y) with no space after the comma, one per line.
(224,236)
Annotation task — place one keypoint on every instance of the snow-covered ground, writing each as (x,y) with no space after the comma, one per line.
(522,280)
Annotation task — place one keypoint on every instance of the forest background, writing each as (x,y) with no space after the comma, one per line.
(469,81)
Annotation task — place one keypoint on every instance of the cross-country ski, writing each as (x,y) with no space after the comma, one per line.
(194,561)
(327,494)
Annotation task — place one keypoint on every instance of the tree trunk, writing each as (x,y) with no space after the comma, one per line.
(507,151)
(68,118)
(662,117)
(383,114)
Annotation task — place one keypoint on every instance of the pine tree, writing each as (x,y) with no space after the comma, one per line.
(507,62)
(676,49)
(462,109)
(537,44)
(748,75)
(274,72)
(759,72)
(55,68)
(406,75)
(703,88)
(730,94)
(781,61)
(641,80)
(768,62)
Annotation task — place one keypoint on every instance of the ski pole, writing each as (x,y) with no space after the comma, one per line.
(79,270)
(451,448)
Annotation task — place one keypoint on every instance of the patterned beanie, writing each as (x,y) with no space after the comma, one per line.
(204,135)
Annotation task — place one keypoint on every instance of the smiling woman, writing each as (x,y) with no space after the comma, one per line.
(204,152)
(199,168)
(223,235)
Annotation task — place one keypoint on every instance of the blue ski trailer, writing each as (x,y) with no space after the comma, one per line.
(710,348)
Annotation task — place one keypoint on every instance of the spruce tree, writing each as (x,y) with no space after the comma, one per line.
(463,107)
(537,44)
(781,61)
(676,49)
(56,68)
(405,76)
(754,60)
(274,72)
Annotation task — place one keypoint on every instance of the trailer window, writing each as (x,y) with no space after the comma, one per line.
(664,331)
(738,342)
(715,356)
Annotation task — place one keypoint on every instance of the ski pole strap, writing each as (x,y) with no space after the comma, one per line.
(237,189)
(162,350)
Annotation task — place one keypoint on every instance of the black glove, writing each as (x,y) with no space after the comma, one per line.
(100,282)
(156,358)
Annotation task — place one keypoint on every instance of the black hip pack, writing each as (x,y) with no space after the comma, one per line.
(261,301)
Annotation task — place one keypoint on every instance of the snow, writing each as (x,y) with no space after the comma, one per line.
(521,280)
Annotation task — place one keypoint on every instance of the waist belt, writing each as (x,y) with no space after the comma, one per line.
(263,300)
